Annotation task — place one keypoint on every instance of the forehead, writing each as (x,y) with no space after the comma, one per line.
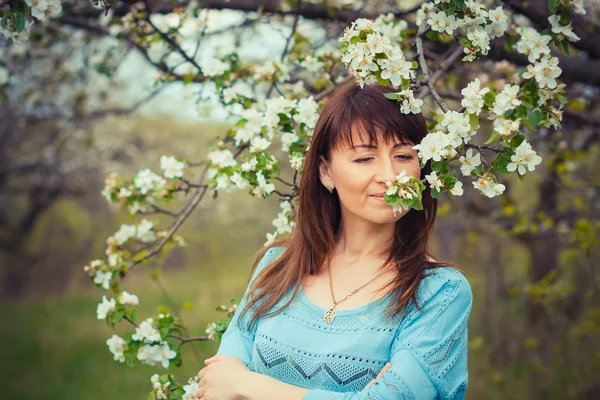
(369,133)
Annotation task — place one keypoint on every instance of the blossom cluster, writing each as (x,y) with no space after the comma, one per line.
(147,188)
(291,122)
(373,57)
(284,222)
(146,344)
(15,27)
(405,193)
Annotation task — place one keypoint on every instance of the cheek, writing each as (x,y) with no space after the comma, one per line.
(412,168)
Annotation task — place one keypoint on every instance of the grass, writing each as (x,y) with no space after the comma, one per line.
(56,347)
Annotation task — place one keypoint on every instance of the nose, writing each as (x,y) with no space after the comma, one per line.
(385,172)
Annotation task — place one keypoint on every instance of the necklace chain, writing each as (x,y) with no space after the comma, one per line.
(330,314)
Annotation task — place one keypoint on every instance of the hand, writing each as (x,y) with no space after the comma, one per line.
(379,375)
(223,378)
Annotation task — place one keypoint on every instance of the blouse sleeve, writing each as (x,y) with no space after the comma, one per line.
(237,340)
(429,352)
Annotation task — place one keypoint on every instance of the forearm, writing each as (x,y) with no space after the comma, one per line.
(264,387)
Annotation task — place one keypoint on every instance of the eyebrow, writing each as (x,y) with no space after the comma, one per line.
(370,146)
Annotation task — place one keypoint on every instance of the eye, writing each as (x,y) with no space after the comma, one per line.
(404,157)
(363,160)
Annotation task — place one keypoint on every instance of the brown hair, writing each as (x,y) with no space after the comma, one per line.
(313,239)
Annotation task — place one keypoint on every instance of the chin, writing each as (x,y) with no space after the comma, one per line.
(386,218)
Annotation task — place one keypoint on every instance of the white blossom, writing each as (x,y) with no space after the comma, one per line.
(578,6)
(296,161)
(287,139)
(545,72)
(222,158)
(506,127)
(214,68)
(190,390)
(239,181)
(442,22)
(162,354)
(434,181)
(565,30)
(128,299)
(473,93)
(506,100)
(146,332)
(270,238)
(146,181)
(488,186)
(499,22)
(457,190)
(125,233)
(523,159)
(117,346)
(105,307)
(103,279)
(258,144)
(435,146)
(145,232)
(469,162)
(172,167)
(532,43)
(263,189)
(250,165)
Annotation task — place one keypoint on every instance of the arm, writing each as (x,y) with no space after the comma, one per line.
(428,356)
(237,341)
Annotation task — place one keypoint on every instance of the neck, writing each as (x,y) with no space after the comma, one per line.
(359,239)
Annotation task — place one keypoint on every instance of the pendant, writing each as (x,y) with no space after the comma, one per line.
(329,315)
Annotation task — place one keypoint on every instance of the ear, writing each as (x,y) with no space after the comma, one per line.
(324,171)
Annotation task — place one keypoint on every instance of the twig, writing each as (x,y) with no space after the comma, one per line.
(189,339)
(423,64)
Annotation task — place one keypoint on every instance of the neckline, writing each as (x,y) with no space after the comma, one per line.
(352,311)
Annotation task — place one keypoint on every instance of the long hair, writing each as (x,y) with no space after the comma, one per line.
(313,239)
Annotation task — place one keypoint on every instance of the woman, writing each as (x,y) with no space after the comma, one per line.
(354,287)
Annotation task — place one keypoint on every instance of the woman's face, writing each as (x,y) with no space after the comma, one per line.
(359,174)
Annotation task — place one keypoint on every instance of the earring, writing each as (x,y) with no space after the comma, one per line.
(330,188)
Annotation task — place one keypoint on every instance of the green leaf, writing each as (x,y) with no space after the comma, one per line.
(563,46)
(460,4)
(474,121)
(561,99)
(464,42)
(19,21)
(417,204)
(354,40)
(391,96)
(383,82)
(521,112)
(553,5)
(434,193)
(489,98)
(436,166)
(535,118)
(565,17)
(492,138)
(526,101)
(415,65)
(516,140)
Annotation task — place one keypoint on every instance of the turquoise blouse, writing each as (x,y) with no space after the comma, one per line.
(427,349)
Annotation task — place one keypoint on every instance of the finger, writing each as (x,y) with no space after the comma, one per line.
(200,393)
(201,373)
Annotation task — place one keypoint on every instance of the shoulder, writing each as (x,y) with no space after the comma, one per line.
(267,256)
(445,284)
